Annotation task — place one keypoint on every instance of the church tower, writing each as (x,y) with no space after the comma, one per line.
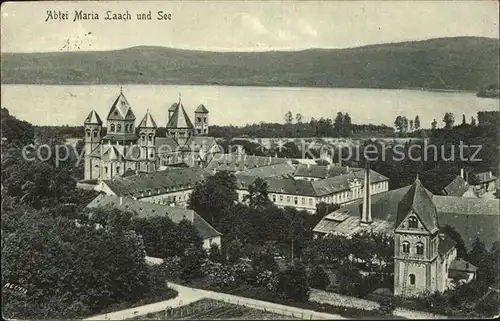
(147,136)
(201,121)
(93,126)
(179,125)
(417,267)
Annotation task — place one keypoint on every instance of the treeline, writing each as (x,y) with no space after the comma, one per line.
(340,126)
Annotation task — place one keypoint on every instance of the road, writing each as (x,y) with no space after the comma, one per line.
(188,295)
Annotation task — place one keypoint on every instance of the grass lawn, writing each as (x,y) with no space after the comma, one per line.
(208,309)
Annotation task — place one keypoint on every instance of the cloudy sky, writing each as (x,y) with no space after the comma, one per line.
(244,26)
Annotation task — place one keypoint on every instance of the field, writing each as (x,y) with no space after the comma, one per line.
(208,309)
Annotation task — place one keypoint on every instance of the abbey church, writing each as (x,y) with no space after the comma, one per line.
(128,147)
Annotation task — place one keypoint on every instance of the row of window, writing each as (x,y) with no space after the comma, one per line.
(94,132)
(204,119)
(419,247)
(129,128)
(295,199)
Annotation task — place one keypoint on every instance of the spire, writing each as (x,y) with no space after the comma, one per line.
(121,90)
(179,97)
(148,121)
(93,118)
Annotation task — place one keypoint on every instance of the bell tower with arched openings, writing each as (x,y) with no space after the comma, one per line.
(421,253)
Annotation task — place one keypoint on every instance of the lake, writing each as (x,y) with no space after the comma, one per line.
(61,105)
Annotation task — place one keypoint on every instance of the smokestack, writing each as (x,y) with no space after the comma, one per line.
(462,172)
(366,215)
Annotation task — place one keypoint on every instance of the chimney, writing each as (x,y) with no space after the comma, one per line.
(328,167)
(366,215)
(467,177)
(121,200)
(462,172)
(347,169)
(276,155)
(308,165)
(491,174)
(269,160)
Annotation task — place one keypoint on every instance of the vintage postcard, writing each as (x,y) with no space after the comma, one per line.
(249,160)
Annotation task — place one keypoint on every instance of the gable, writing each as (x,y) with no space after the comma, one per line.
(404,226)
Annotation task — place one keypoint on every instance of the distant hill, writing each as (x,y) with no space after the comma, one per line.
(462,63)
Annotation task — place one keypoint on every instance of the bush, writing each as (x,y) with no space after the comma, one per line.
(293,283)
(319,278)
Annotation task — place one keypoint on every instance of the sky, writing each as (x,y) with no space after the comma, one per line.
(242,26)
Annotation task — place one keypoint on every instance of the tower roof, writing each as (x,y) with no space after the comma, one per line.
(147,121)
(121,110)
(201,109)
(179,119)
(419,201)
(93,119)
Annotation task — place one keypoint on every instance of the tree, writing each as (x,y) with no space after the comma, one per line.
(472,121)
(293,283)
(434,124)
(411,125)
(319,278)
(213,197)
(416,123)
(346,125)
(399,124)
(477,253)
(16,132)
(214,254)
(298,118)
(448,120)
(288,117)
(464,122)
(71,270)
(257,194)
(339,124)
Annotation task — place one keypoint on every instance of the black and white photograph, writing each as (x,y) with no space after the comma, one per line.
(250,160)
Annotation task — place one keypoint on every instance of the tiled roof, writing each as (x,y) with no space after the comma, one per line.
(169,145)
(201,109)
(462,265)
(120,137)
(457,187)
(419,201)
(148,121)
(156,183)
(241,162)
(93,118)
(310,188)
(277,170)
(446,243)
(142,209)
(323,171)
(121,110)
(470,217)
(179,119)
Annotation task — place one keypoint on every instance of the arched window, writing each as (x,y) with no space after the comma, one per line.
(118,169)
(150,138)
(413,222)
(112,128)
(143,138)
(119,128)
(88,132)
(95,133)
(412,279)
(406,247)
(420,248)
(106,169)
